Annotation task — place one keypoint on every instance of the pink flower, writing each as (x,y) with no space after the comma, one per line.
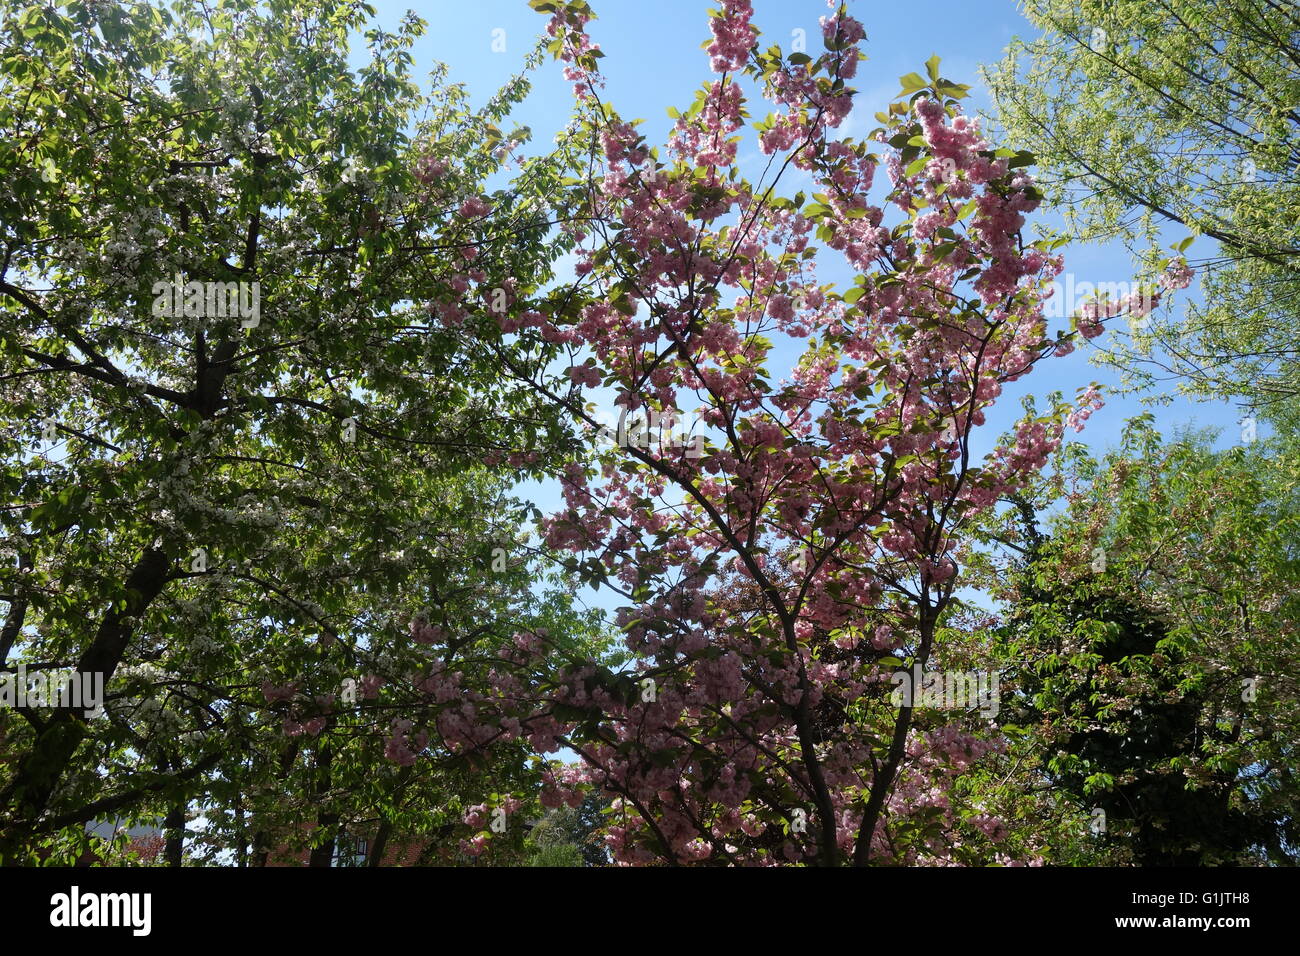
(428,169)
(732,36)
(474,207)
(274,693)
(587,375)
(1177,276)
(1089,402)
(1090,328)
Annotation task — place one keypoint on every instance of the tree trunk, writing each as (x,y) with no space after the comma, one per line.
(326,821)
(174,827)
(43,766)
(884,780)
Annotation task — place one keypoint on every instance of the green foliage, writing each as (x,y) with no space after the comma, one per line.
(202,504)
(1147,646)
(1177,116)
(559,854)
(576,829)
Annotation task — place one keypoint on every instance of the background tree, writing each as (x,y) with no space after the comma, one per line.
(229,515)
(571,836)
(1146,644)
(1175,117)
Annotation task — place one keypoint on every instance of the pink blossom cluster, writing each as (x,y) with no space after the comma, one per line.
(403,747)
(1177,276)
(474,207)
(733,37)
(429,169)
(275,693)
(1089,402)
(1139,303)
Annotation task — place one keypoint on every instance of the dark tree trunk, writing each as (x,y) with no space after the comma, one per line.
(326,821)
(43,766)
(174,827)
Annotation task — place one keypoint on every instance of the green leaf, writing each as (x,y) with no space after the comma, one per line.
(912,82)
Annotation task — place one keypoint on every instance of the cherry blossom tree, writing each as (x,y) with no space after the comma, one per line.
(785,562)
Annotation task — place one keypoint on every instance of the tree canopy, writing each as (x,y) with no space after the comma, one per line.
(1171,119)
(308,372)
